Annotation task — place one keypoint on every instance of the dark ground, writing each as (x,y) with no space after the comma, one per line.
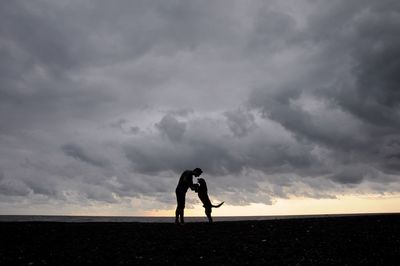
(353,240)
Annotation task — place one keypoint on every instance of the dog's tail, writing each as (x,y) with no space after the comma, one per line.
(217,206)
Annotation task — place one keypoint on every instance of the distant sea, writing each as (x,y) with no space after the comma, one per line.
(170,219)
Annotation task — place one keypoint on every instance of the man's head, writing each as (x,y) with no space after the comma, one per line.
(197,172)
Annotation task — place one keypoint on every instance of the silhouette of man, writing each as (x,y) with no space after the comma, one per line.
(185,182)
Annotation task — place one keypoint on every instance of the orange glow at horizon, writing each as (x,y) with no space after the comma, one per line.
(300,206)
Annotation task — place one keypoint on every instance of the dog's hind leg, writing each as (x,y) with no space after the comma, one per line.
(208,213)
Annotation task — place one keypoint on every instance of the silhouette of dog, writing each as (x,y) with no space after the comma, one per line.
(203,196)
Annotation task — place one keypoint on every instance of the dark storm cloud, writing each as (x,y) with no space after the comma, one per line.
(373,48)
(109,101)
(358,108)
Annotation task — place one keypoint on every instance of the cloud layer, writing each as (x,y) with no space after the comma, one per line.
(109,102)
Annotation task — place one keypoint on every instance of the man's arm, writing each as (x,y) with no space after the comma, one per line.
(195,187)
(189,179)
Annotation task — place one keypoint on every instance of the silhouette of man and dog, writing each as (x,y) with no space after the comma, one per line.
(186,182)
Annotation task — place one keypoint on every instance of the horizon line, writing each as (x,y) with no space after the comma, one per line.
(222,216)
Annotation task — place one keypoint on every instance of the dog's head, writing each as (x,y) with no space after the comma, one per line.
(201,181)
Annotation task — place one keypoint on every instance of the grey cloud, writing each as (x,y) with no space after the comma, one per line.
(119,123)
(33,37)
(134,130)
(273,31)
(240,122)
(206,145)
(352,175)
(99,193)
(191,151)
(100,32)
(151,158)
(13,187)
(45,186)
(124,126)
(183,112)
(319,126)
(95,59)
(172,128)
(79,153)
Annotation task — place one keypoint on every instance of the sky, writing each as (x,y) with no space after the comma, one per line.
(289,107)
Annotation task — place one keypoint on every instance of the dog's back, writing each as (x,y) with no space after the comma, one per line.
(203,194)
